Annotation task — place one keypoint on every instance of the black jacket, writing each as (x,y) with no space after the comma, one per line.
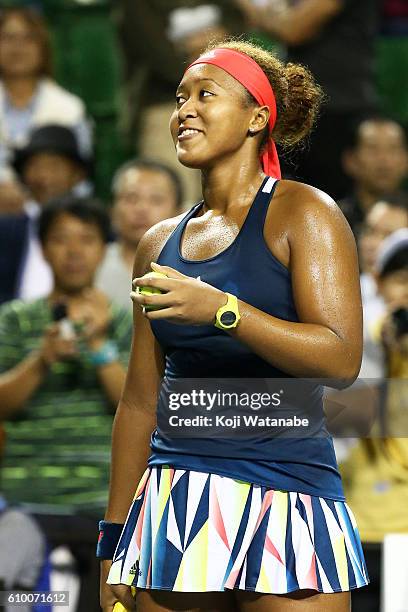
(14,237)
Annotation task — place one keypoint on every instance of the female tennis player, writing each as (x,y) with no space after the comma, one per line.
(261,281)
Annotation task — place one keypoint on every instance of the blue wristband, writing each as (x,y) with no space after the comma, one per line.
(109,535)
(108,353)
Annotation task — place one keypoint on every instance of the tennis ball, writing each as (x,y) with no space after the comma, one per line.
(146,290)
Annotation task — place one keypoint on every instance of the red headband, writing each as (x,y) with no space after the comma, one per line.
(245,70)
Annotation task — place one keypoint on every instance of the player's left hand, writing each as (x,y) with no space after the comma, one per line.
(186,301)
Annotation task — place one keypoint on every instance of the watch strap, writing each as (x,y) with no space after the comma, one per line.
(231,307)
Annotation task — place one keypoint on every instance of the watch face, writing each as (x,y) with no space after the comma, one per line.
(228,317)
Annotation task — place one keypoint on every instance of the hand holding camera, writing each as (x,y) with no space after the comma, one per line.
(55,347)
(86,320)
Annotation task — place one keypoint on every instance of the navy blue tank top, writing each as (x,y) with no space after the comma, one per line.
(249,270)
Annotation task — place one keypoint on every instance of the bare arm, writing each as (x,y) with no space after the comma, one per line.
(327,342)
(96,311)
(296,25)
(111,375)
(112,378)
(135,417)
(134,422)
(19,384)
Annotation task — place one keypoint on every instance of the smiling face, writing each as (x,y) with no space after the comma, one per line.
(212,118)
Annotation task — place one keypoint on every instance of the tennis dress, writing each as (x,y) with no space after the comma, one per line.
(259,513)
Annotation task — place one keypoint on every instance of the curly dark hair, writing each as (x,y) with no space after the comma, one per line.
(298,96)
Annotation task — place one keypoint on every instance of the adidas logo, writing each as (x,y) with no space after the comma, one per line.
(134,570)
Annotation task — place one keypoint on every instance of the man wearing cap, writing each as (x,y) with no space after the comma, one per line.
(49,166)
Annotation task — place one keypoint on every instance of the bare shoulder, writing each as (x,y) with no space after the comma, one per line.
(304,200)
(307,209)
(152,243)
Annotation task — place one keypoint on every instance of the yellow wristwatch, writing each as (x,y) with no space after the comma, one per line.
(228,316)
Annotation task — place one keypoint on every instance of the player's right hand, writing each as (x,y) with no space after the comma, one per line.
(111,594)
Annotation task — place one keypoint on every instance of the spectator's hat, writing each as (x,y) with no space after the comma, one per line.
(393,244)
(52,139)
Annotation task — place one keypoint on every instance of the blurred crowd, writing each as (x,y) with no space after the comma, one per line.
(66,256)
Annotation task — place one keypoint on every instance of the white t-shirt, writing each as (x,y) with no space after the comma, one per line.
(372,365)
(36,279)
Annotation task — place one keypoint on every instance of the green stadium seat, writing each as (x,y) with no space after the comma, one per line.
(392,70)
(88,63)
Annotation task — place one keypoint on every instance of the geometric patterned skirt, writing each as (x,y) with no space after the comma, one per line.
(190,531)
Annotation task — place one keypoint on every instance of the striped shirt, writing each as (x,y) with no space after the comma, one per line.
(58,446)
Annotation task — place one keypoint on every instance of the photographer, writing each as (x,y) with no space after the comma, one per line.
(63,361)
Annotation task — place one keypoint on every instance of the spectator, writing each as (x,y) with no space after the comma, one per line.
(82,374)
(21,565)
(50,165)
(145,193)
(29,97)
(384,218)
(377,161)
(60,383)
(335,40)
(392,273)
(375,474)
